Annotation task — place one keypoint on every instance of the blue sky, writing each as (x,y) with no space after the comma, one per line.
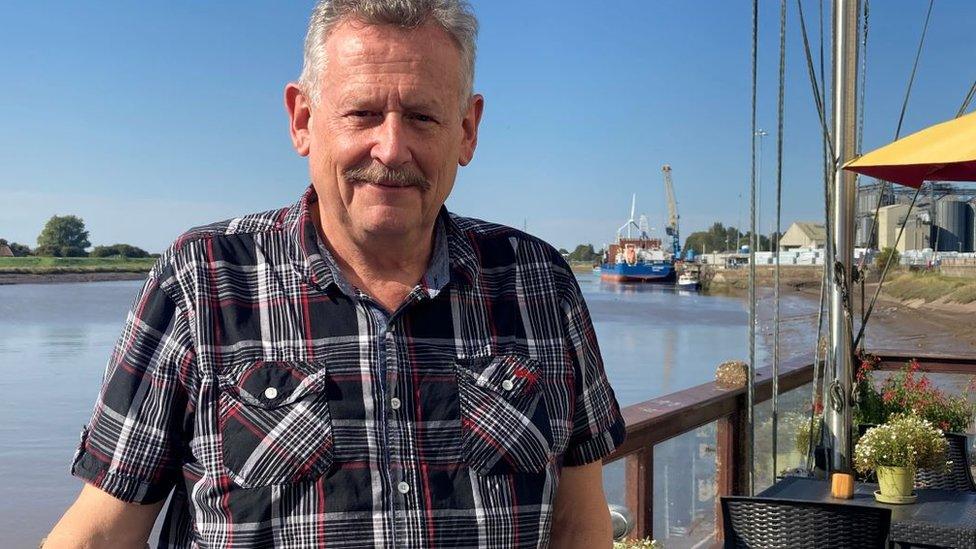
(146,118)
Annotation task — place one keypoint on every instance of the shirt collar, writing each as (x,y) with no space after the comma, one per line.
(453,259)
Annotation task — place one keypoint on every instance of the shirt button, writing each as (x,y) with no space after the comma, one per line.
(403,487)
(270,393)
(507,385)
(395,403)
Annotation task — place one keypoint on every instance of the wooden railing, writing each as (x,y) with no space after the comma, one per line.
(659,419)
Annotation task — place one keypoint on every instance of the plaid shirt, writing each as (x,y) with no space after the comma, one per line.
(285,408)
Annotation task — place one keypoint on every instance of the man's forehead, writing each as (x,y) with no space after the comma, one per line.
(361,58)
(352,39)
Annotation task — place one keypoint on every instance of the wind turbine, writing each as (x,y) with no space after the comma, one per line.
(630,222)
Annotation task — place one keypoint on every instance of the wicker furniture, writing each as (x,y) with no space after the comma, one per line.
(959,476)
(766,523)
(940,518)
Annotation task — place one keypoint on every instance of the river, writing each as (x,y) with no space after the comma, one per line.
(56,339)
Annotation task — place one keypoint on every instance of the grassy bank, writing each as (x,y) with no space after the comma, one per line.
(581,267)
(930,287)
(57,265)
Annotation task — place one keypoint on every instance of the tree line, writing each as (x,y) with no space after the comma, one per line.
(66,236)
(582,252)
(719,238)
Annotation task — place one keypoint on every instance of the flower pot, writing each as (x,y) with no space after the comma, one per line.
(896,483)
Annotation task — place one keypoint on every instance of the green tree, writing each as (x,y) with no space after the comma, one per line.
(121,250)
(20,250)
(883,255)
(584,252)
(63,236)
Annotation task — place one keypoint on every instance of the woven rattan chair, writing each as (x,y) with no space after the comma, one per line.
(767,523)
(958,477)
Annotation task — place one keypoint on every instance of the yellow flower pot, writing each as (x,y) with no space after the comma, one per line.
(897,484)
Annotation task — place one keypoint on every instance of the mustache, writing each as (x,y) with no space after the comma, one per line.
(378,173)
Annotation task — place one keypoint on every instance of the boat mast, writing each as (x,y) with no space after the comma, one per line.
(841,254)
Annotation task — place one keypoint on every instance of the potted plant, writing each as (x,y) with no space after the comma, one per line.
(895,450)
(907,392)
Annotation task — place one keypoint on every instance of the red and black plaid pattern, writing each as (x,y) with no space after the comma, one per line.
(283,408)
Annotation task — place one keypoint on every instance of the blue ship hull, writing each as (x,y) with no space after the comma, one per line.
(622,272)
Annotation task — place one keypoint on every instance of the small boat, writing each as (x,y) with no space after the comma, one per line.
(688,280)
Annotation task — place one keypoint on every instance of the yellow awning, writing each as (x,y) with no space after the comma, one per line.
(943,152)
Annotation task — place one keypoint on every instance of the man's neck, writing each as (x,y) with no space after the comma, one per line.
(386,269)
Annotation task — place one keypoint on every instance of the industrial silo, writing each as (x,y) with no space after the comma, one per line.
(865,226)
(952,225)
(971,243)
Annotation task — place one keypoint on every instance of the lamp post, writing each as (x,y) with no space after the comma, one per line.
(760,133)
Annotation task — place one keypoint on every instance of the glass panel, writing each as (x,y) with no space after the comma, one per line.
(684,488)
(793,423)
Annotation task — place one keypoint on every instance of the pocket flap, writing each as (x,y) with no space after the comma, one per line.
(275,383)
(510,375)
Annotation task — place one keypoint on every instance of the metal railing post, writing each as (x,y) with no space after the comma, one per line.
(640,491)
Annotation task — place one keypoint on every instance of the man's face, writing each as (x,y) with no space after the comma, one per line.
(387,135)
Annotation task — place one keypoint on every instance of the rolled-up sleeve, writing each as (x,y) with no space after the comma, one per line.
(598,427)
(133,445)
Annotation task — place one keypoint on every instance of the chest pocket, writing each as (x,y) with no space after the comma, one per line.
(274,423)
(504,424)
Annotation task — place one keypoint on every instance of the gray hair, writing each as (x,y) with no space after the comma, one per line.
(455,16)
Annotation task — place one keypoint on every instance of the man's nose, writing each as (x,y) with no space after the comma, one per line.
(391,147)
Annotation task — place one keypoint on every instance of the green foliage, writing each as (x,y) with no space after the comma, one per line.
(906,392)
(904,441)
(585,252)
(121,250)
(19,250)
(53,265)
(48,250)
(63,236)
(802,430)
(720,238)
(882,259)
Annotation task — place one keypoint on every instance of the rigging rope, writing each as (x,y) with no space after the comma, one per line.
(860,140)
(813,82)
(817,367)
(829,164)
(965,102)
(750,390)
(779,225)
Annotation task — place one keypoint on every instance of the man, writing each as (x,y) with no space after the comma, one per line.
(361,369)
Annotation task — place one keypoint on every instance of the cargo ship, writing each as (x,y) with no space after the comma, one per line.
(644,259)
(637,260)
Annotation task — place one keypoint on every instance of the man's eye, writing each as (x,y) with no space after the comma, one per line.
(422,117)
(362,114)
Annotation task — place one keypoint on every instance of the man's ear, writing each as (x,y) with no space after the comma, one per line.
(469,128)
(299,116)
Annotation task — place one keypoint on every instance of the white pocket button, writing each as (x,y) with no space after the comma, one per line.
(270,393)
(507,385)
